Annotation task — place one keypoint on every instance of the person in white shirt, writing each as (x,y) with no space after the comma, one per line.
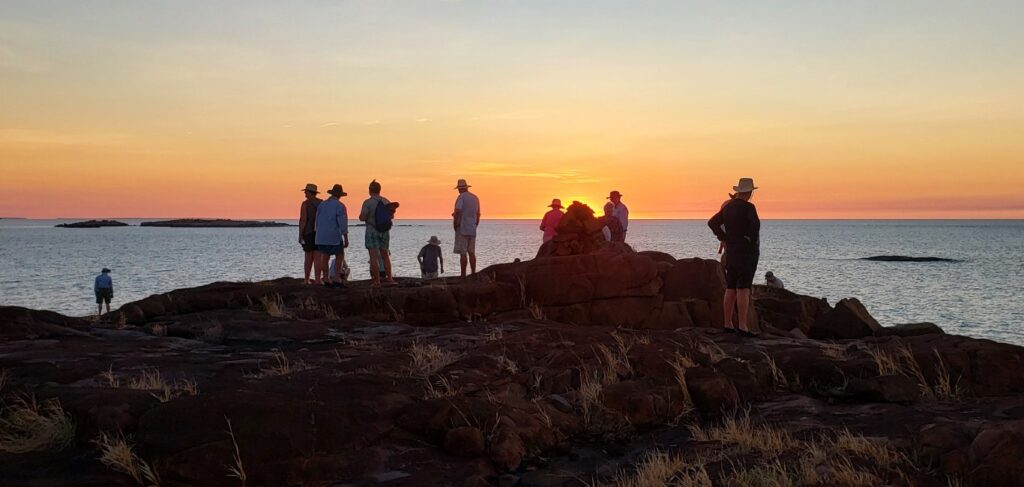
(771,281)
(465,219)
(620,212)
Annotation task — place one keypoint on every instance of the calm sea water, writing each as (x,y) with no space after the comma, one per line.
(980,295)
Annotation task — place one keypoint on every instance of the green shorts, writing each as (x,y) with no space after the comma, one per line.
(377,240)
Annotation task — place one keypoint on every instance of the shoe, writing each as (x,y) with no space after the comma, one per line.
(339,285)
(748,334)
(729,329)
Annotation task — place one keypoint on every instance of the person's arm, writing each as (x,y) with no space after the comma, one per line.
(441,256)
(478,211)
(457,214)
(364,212)
(343,224)
(419,258)
(716,226)
(96,284)
(302,221)
(752,223)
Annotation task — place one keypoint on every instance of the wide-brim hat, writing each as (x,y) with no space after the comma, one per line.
(434,240)
(462,184)
(105,271)
(337,191)
(311,188)
(556,203)
(613,194)
(746,185)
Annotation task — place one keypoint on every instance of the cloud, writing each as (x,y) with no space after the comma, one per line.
(520,171)
(328,124)
(516,116)
(422,119)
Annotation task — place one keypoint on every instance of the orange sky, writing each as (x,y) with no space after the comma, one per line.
(227,111)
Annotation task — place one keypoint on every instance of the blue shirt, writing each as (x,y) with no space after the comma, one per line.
(103,281)
(331,222)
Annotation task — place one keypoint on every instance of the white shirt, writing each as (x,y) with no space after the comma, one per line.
(777,283)
(468,206)
(622,213)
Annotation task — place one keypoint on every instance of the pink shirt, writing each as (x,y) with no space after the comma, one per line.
(550,223)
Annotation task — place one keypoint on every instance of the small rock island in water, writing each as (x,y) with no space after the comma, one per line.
(93,224)
(905,258)
(211,223)
(591,361)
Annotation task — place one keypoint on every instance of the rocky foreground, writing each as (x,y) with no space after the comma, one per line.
(608,368)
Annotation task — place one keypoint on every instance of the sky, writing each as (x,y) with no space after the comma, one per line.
(853,109)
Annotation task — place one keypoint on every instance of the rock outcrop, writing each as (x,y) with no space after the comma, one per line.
(92,224)
(211,223)
(534,373)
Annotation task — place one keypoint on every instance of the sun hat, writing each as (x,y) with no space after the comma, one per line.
(434,240)
(337,191)
(746,185)
(769,274)
(556,203)
(614,194)
(311,188)
(462,184)
(105,271)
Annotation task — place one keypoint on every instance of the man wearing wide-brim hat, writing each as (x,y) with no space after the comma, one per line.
(549,224)
(104,290)
(431,259)
(331,237)
(307,228)
(738,227)
(466,218)
(615,208)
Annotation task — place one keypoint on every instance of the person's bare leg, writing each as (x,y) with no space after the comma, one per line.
(472,263)
(743,303)
(323,262)
(375,266)
(462,262)
(729,306)
(99,309)
(386,256)
(308,264)
(108,307)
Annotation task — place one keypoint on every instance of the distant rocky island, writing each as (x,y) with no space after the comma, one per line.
(93,224)
(212,223)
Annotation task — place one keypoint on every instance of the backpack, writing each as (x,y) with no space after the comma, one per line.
(383,217)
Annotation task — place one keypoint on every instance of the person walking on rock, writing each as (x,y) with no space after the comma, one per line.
(620,212)
(549,224)
(739,228)
(430,259)
(465,219)
(307,228)
(103,286)
(378,214)
(331,237)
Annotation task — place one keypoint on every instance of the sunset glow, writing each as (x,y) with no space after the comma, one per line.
(216,109)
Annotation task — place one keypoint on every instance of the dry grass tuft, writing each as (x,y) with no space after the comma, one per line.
(273,304)
(117,453)
(494,334)
(878,450)
(901,361)
(591,387)
(281,366)
(506,364)
(740,431)
(679,365)
(427,359)
(778,377)
(27,425)
(442,387)
(657,469)
(536,311)
(238,469)
(845,473)
(311,304)
(773,474)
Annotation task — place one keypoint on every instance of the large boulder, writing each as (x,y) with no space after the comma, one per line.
(995,455)
(17,323)
(786,310)
(849,319)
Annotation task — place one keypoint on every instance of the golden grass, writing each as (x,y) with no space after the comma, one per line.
(878,450)
(280,366)
(494,334)
(845,473)
(901,361)
(273,304)
(656,468)
(741,431)
(778,377)
(27,425)
(427,359)
(543,413)
(442,387)
(772,474)
(311,304)
(536,311)
(117,453)
(238,469)
(679,365)
(591,386)
(151,380)
(506,364)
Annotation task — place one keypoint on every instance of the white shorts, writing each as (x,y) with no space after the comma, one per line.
(465,244)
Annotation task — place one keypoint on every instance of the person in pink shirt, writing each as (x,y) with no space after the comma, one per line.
(549,224)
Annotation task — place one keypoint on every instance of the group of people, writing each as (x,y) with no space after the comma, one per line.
(615,219)
(323,235)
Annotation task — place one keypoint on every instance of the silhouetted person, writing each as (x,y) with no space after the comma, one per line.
(771,281)
(378,213)
(430,259)
(616,233)
(466,218)
(104,289)
(307,228)
(620,212)
(549,224)
(331,237)
(738,227)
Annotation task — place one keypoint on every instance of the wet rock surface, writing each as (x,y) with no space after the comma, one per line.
(565,370)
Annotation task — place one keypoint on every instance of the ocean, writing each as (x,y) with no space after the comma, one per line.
(978,295)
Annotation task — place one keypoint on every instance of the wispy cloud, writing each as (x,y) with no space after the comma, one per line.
(422,120)
(521,171)
(328,124)
(512,116)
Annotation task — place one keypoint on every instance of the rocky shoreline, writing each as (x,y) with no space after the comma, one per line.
(92,224)
(602,368)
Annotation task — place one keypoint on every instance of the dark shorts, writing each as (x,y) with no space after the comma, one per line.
(104,296)
(310,245)
(740,270)
(330,249)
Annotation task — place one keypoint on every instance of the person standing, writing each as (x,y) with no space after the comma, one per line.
(465,219)
(549,224)
(104,289)
(613,230)
(620,212)
(376,213)
(331,237)
(307,228)
(429,258)
(739,228)
(771,280)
